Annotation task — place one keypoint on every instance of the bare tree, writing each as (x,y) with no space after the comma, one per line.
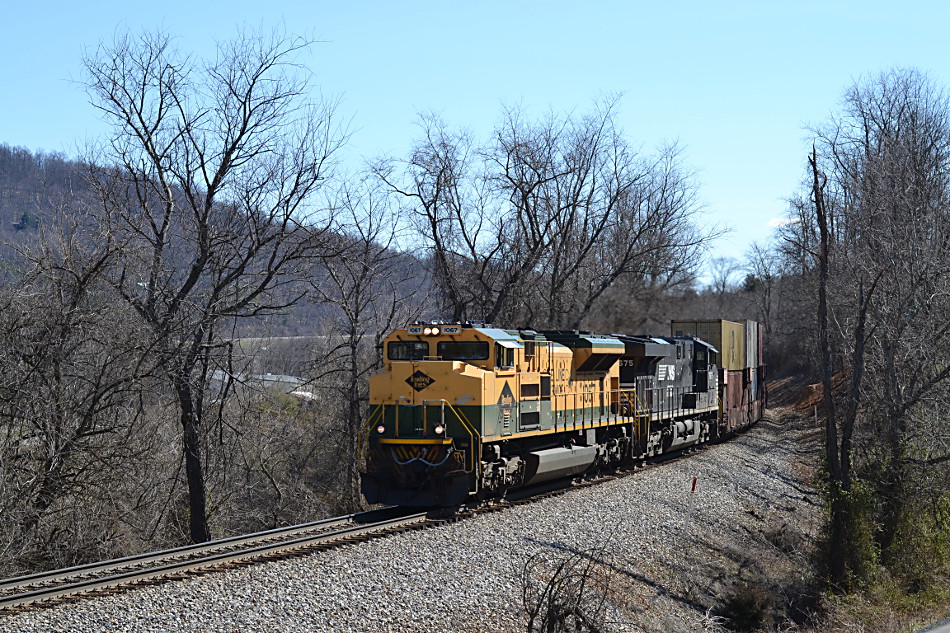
(205,183)
(892,152)
(622,218)
(70,408)
(537,225)
(723,271)
(880,193)
(450,206)
(764,274)
(373,288)
(567,593)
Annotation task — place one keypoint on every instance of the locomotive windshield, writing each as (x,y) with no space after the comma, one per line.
(408,350)
(463,350)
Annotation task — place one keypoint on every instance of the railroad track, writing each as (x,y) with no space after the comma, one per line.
(53,587)
(37,590)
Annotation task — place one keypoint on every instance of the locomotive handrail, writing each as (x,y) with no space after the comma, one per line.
(365,431)
(640,413)
(425,410)
(473,436)
(472,433)
(635,402)
(625,399)
(466,425)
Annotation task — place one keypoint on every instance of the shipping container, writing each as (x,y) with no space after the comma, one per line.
(761,359)
(728,337)
(732,397)
(751,344)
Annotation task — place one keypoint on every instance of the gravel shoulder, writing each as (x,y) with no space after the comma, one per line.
(754,513)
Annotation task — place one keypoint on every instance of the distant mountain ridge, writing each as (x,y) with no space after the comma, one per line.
(34,185)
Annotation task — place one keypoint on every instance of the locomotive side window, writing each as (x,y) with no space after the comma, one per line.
(463,350)
(408,350)
(504,357)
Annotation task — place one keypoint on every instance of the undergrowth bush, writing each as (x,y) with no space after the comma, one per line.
(923,543)
(747,608)
(858,546)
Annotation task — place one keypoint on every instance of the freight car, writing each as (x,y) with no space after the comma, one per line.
(463,411)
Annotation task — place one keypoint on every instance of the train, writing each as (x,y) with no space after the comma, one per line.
(465,412)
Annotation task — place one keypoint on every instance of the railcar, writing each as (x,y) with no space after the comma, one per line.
(463,411)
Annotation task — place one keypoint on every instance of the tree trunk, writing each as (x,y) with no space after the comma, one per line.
(892,493)
(846,558)
(194,470)
(841,546)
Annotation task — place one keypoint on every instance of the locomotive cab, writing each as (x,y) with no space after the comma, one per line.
(422,436)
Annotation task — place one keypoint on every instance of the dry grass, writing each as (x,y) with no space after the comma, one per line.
(875,612)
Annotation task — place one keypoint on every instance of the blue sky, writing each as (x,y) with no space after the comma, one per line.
(735,84)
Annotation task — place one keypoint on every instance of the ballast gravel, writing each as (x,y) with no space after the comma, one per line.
(750,508)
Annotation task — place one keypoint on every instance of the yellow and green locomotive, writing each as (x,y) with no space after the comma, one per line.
(462,411)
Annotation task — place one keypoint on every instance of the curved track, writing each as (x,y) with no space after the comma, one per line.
(38,589)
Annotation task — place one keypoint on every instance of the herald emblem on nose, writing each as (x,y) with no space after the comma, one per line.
(419,381)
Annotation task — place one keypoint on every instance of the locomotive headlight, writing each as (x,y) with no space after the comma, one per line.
(435,331)
(439,430)
(380,429)
(427,331)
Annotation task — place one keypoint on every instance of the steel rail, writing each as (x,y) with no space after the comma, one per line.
(217,558)
(10,584)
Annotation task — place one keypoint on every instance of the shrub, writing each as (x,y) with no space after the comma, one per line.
(747,608)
